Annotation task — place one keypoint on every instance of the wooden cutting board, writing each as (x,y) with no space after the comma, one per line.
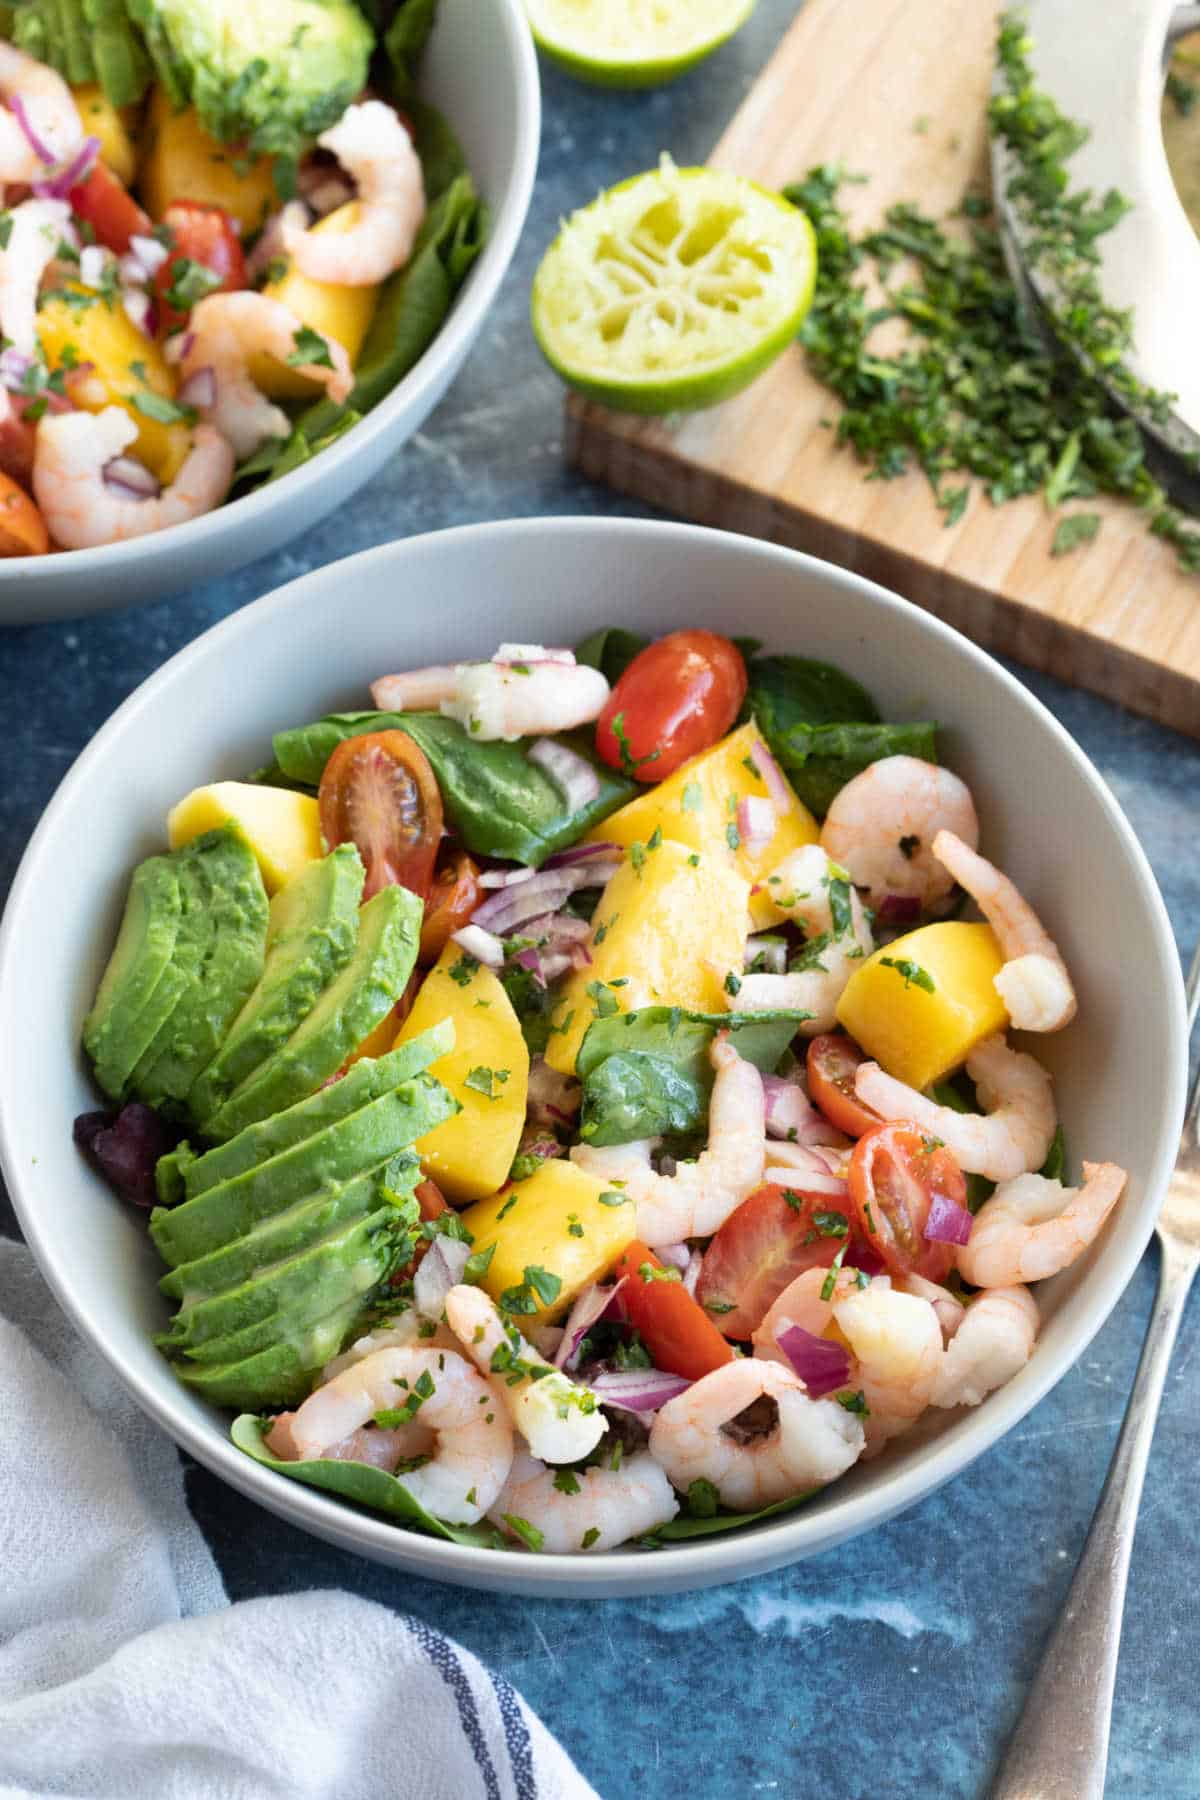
(897,90)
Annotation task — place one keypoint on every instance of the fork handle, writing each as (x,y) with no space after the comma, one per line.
(1060,1747)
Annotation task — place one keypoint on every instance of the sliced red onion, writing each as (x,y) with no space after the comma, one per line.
(441,1268)
(418,690)
(507,654)
(562,931)
(139,309)
(571,773)
(691,1275)
(637,1390)
(179,346)
(20,113)
(822,1365)
(588,1309)
(582,853)
(131,271)
(773,777)
(200,389)
(899,909)
(93,262)
(544,893)
(58,182)
(767,954)
(947,1222)
(482,945)
(757,822)
(132,478)
(792,1116)
(149,252)
(14,366)
(502,878)
(814,1178)
(551,1097)
(678,1255)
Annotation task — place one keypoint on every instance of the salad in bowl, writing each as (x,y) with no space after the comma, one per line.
(228,233)
(574,1099)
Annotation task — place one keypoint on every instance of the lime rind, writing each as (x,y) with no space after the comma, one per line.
(673,290)
(633,43)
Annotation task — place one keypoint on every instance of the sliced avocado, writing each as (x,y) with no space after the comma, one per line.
(354,1144)
(137,989)
(170,1172)
(361,1084)
(311,934)
(220,948)
(294,1229)
(348,1010)
(280,1375)
(281,1298)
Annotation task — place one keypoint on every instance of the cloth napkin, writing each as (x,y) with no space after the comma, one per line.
(124,1670)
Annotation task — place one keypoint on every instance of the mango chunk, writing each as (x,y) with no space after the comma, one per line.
(487,1072)
(343,313)
(103,120)
(921,1004)
(698,804)
(669,927)
(182,161)
(531,1222)
(77,325)
(282,828)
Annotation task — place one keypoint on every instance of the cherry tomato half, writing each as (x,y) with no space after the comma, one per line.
(677,697)
(895,1172)
(111,211)
(452,899)
(832,1061)
(22,527)
(379,792)
(678,1334)
(205,236)
(761,1249)
(432,1204)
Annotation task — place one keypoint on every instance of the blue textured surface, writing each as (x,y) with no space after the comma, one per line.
(895,1665)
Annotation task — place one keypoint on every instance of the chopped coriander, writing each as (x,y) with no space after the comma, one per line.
(692,798)
(529,1534)
(629,762)
(748,762)
(463,969)
(190,282)
(733,837)
(611,1198)
(830,1282)
(720,1307)
(831,1224)
(840,913)
(617,1457)
(485,1081)
(914,975)
(507,1207)
(602,931)
(604,1002)
(702,1499)
(589,1537)
(693,861)
(477,1265)
(391,1417)
(854,1403)
(567,1482)
(1076,529)
(733,984)
(655,1272)
(869,1217)
(574,1225)
(6,225)
(538,1288)
(163,411)
(311,349)
(471,1498)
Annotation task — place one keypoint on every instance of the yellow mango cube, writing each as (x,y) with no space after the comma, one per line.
(182,161)
(282,828)
(343,313)
(669,927)
(921,1004)
(531,1224)
(101,119)
(698,804)
(487,1072)
(79,326)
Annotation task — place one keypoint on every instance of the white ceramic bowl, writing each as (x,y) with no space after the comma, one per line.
(311,648)
(480,69)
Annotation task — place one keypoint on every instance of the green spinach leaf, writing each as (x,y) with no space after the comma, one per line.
(689,1526)
(798,690)
(611,650)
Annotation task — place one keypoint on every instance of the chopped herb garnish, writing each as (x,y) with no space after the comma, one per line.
(831,1224)
(190,282)
(702,1499)
(391,1417)
(539,1288)
(604,1002)
(830,1282)
(589,1537)
(610,1198)
(485,1081)
(914,975)
(529,1534)
(629,762)
(164,411)
(651,1272)
(311,348)
(463,969)
(1076,529)
(720,1307)
(733,984)
(567,1482)
(507,1207)
(477,1265)
(733,836)
(692,798)
(854,1403)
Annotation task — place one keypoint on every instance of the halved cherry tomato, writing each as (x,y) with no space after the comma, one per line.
(452,899)
(379,792)
(832,1060)
(675,1330)
(895,1172)
(22,527)
(432,1204)
(677,697)
(199,234)
(761,1249)
(110,209)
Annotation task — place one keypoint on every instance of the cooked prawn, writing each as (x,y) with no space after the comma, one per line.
(882,824)
(381,1447)
(372,145)
(606,1508)
(80,510)
(819,1169)
(559,1420)
(948,1307)
(49,107)
(399,1333)
(803,888)
(808,1443)
(1032,1227)
(227,330)
(496,700)
(1013,1133)
(700,1195)
(36,229)
(473,1446)
(802,1303)
(1033,984)
(896,1342)
(993,1342)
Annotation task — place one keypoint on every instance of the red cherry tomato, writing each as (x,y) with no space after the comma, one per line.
(199,234)
(379,792)
(895,1172)
(678,1334)
(452,899)
(677,697)
(761,1249)
(111,211)
(432,1204)
(832,1060)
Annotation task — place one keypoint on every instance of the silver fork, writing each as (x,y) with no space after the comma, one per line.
(1060,1747)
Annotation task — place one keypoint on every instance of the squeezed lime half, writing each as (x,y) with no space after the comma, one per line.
(633,43)
(673,290)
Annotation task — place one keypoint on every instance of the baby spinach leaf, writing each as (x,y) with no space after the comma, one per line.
(663,1078)
(611,650)
(959,1095)
(820,759)
(355,1481)
(1055,1166)
(496,800)
(798,690)
(689,1526)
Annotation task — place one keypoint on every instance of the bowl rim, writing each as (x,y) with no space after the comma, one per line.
(727,1556)
(461,326)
